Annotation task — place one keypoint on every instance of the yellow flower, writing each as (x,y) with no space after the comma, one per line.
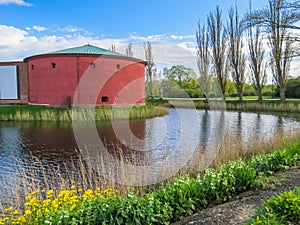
(28,197)
(27,212)
(46,202)
(73,187)
(72,207)
(16,212)
(34,193)
(8,209)
(21,219)
(50,194)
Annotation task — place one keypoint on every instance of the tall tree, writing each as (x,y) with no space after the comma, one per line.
(237,56)
(203,59)
(256,60)
(181,74)
(218,45)
(129,51)
(149,68)
(277,18)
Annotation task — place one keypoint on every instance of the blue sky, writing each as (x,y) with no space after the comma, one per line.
(29,27)
(113,19)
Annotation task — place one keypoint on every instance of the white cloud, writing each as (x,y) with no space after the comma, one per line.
(176,37)
(39,28)
(71,29)
(155,37)
(36,28)
(16,2)
(17,44)
(10,36)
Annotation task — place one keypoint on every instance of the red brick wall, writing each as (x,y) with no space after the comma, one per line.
(22,83)
(99,76)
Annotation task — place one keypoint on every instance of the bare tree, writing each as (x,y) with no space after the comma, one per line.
(203,59)
(218,42)
(112,48)
(280,43)
(237,57)
(129,51)
(277,18)
(149,68)
(256,60)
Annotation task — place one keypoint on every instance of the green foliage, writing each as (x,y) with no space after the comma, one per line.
(281,209)
(156,101)
(231,90)
(269,163)
(179,82)
(292,88)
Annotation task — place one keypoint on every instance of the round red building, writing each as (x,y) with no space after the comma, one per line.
(85,75)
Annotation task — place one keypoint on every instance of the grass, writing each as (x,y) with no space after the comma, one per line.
(289,106)
(248,105)
(45,113)
(248,97)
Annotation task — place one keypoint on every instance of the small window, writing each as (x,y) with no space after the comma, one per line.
(32,67)
(104,99)
(53,65)
(118,66)
(92,65)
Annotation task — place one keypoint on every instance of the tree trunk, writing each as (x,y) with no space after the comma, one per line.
(282,94)
(240,94)
(207,97)
(259,92)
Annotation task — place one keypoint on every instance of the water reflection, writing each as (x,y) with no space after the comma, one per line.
(149,142)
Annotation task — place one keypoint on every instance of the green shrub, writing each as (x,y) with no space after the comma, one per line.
(269,163)
(178,195)
(281,209)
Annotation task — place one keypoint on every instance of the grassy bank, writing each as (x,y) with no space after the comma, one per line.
(44,113)
(288,106)
(82,204)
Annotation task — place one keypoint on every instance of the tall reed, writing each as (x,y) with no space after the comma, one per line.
(43,113)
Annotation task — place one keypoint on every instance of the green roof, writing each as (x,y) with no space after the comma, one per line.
(86,49)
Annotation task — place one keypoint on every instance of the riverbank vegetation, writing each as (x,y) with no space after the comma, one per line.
(46,113)
(269,106)
(281,209)
(66,198)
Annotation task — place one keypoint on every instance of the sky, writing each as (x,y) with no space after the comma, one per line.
(29,27)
